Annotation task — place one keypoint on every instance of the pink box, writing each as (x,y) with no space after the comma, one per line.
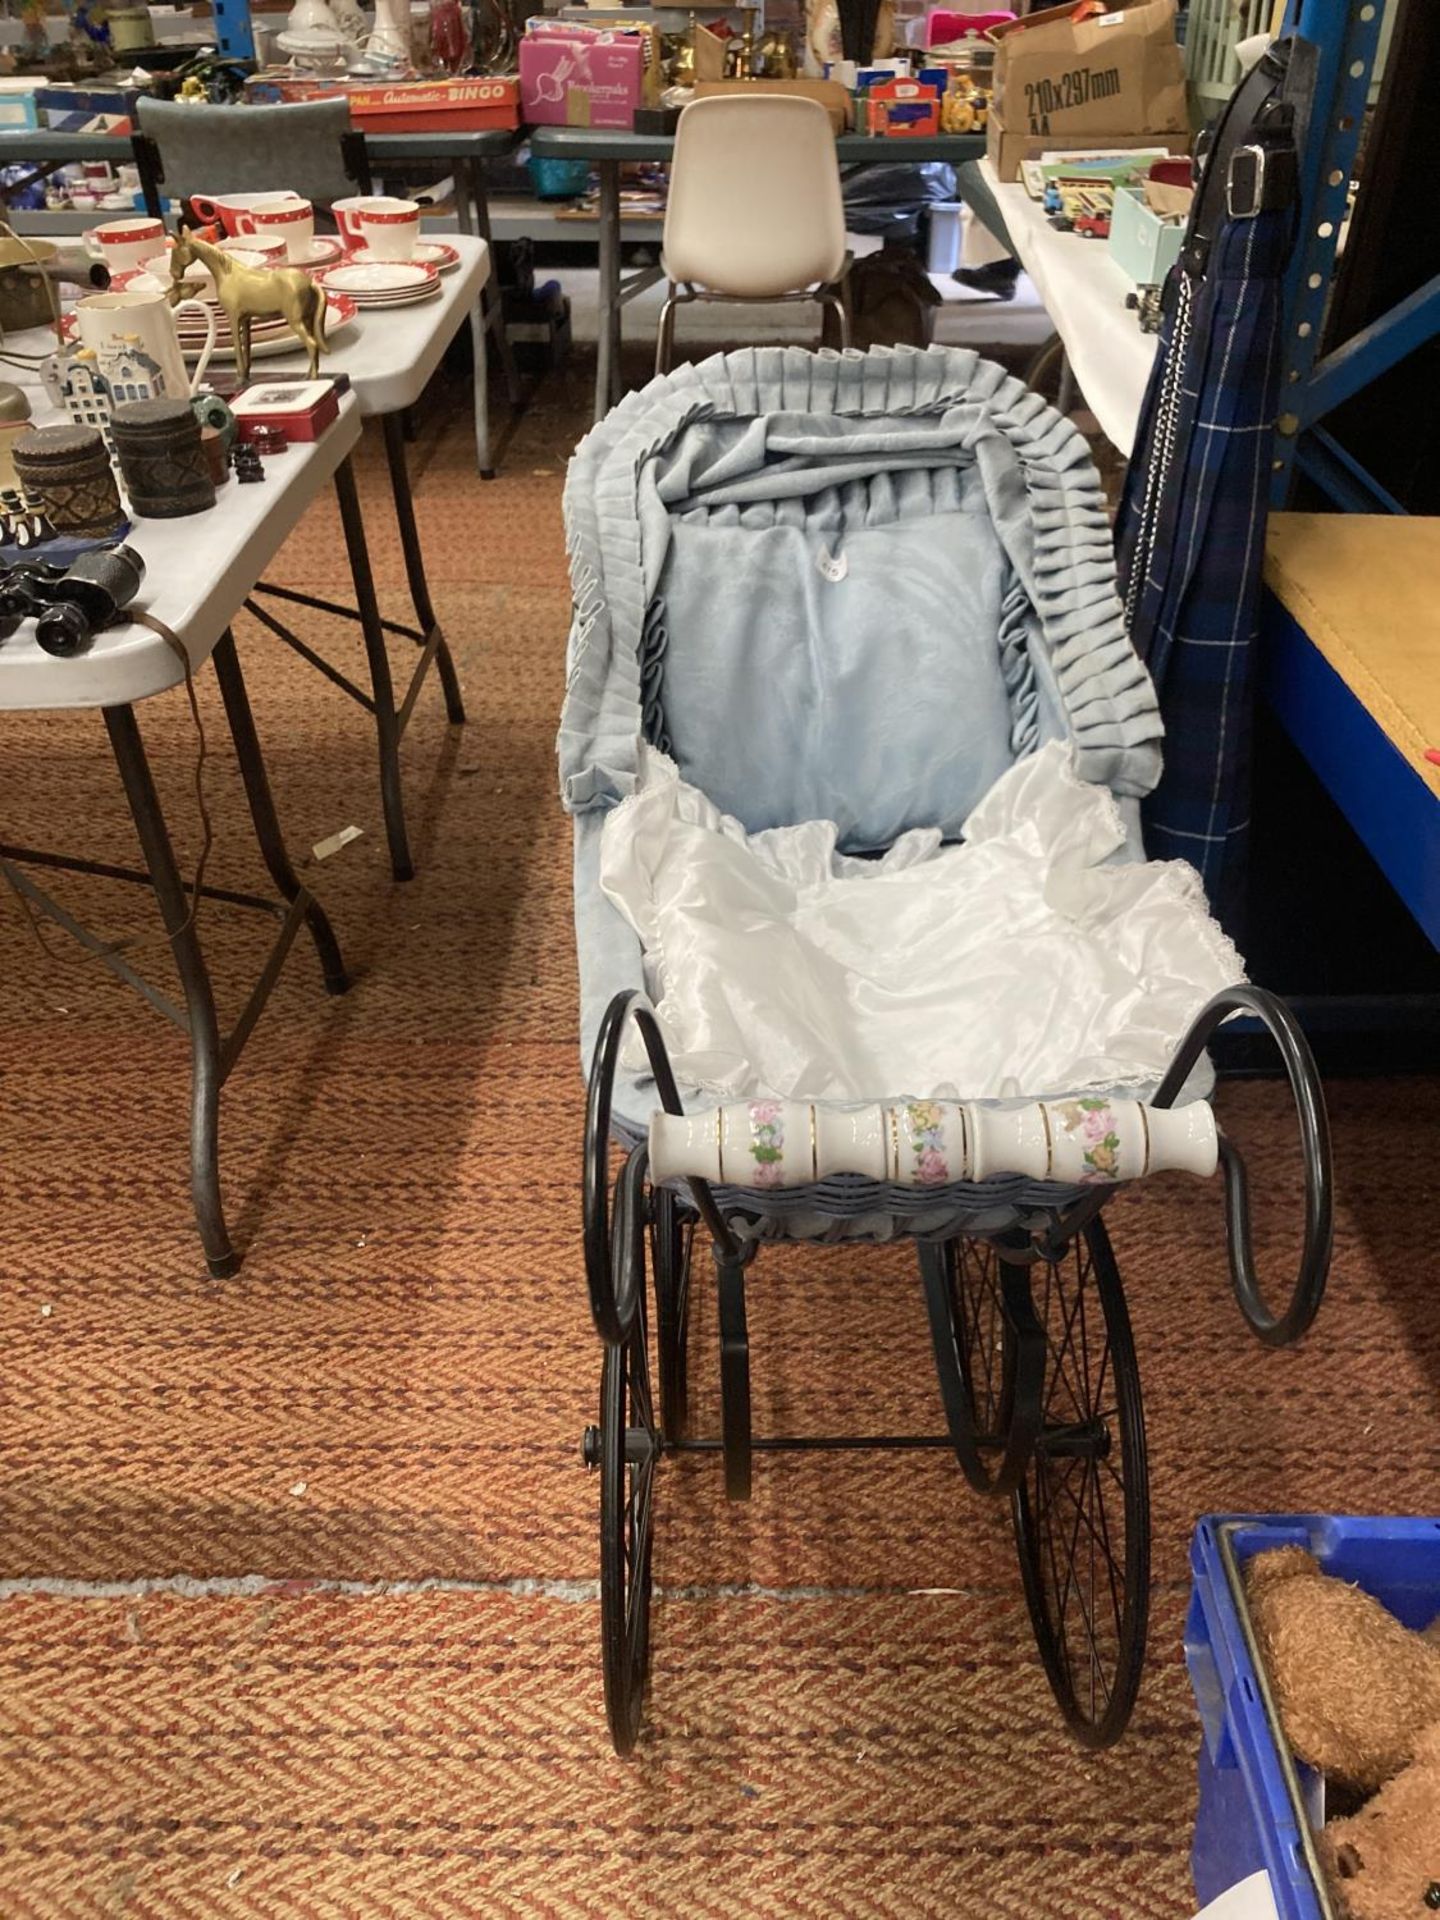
(580,79)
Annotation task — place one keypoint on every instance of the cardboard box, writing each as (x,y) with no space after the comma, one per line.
(438,106)
(1142,244)
(88,109)
(831,95)
(1116,72)
(580,77)
(418,106)
(1005,150)
(902,107)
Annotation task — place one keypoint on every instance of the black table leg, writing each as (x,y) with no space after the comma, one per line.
(415,566)
(262,812)
(387,720)
(207,1071)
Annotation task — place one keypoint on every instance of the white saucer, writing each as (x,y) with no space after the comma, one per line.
(323,250)
(429,253)
(370,279)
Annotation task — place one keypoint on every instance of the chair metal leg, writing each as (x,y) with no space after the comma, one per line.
(206,1072)
(387,720)
(262,811)
(665,337)
(834,299)
(415,566)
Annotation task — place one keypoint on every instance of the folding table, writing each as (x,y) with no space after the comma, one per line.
(198,572)
(388,358)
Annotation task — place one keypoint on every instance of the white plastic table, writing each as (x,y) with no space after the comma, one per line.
(389,356)
(1084,293)
(199,570)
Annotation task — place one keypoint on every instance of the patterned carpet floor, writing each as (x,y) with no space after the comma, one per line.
(298,1613)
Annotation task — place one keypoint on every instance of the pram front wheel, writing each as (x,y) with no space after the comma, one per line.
(625,1447)
(1082,1509)
(989,1357)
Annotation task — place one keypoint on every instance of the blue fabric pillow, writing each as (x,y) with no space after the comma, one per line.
(854,676)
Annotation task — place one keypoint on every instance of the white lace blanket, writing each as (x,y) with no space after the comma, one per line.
(1026,961)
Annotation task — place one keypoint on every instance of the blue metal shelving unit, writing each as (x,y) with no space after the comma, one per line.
(1347,36)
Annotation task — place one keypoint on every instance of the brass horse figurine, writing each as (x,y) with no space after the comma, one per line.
(248,292)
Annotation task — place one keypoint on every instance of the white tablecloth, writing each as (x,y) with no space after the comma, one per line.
(1084,294)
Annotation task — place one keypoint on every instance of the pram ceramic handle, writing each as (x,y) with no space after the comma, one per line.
(1086,1141)
(1275,1329)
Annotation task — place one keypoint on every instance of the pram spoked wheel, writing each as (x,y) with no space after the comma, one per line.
(625,1449)
(1042,1397)
(1082,1508)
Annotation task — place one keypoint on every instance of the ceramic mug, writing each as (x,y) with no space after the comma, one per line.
(388,229)
(224,209)
(290,220)
(122,244)
(136,346)
(346,214)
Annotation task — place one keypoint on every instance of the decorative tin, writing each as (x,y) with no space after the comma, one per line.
(68,469)
(216,459)
(162,460)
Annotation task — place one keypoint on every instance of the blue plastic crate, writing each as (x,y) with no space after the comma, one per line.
(1251,1814)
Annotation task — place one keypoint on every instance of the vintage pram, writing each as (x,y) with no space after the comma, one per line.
(698,515)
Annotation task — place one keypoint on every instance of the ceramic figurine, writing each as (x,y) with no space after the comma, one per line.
(1084,1141)
(248,292)
(23,523)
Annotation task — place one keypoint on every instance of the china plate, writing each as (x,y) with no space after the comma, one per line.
(382,278)
(340,313)
(429,253)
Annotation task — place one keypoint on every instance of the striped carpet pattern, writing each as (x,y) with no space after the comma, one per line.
(298,1612)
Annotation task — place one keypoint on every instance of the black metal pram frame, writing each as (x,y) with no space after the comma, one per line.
(1033,1352)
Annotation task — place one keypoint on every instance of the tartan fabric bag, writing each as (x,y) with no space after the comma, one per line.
(1191,528)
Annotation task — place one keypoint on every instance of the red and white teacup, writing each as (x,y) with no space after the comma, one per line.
(122,244)
(256,249)
(292,221)
(225,209)
(388,229)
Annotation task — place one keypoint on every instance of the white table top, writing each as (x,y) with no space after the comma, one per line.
(1084,293)
(200,568)
(390,356)
(198,571)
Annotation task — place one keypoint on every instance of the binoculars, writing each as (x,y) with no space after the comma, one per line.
(69,605)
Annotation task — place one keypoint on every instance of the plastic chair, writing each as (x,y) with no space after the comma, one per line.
(755,210)
(309,147)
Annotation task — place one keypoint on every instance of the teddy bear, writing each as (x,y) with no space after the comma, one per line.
(1384,1862)
(1358,1695)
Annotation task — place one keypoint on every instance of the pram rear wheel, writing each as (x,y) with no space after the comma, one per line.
(626,1449)
(672,1238)
(1082,1509)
